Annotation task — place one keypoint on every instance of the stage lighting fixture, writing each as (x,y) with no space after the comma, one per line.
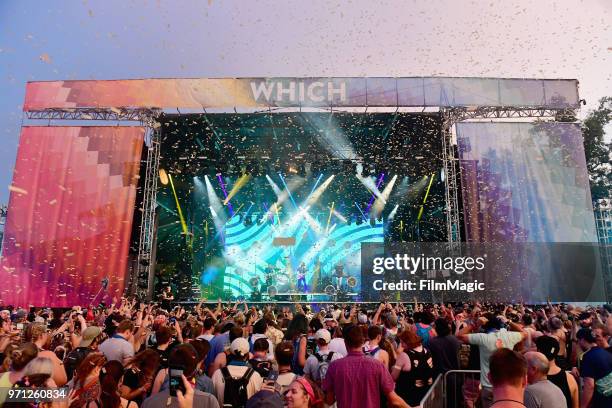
(359,221)
(442,175)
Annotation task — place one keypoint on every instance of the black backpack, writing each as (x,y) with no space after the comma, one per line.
(235,394)
(74,358)
(263,367)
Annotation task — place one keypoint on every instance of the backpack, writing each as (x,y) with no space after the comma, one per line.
(73,359)
(263,367)
(323,364)
(372,353)
(235,394)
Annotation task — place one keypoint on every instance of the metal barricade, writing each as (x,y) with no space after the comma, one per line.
(461,388)
(435,396)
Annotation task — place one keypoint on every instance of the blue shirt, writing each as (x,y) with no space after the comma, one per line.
(596,364)
(217,345)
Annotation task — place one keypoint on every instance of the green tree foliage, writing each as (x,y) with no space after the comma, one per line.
(598,152)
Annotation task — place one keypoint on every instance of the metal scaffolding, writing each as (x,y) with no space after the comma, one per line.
(143,115)
(141,279)
(451,188)
(603,222)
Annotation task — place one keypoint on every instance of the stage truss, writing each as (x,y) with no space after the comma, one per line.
(141,279)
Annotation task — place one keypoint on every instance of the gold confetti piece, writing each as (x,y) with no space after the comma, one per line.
(45,58)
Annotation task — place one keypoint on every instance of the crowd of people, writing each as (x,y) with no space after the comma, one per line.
(133,354)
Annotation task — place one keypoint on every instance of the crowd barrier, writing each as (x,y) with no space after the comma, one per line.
(454,389)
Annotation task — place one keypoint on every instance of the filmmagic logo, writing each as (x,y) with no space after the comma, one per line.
(299,91)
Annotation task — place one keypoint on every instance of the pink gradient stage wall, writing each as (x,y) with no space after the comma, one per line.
(70,214)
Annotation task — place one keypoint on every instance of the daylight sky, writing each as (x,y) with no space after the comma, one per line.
(53,39)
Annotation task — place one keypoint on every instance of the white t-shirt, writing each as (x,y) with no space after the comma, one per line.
(337,346)
(257,336)
(236,371)
(488,343)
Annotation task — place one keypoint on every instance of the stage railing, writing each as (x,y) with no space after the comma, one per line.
(454,389)
(461,388)
(435,396)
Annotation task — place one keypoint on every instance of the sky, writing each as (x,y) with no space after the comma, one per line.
(110,39)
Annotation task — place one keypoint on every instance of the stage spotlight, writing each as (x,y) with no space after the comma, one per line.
(163,177)
(442,175)
(359,221)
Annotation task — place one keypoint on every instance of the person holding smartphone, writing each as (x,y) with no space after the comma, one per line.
(181,391)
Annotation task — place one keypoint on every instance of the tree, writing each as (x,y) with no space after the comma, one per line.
(598,153)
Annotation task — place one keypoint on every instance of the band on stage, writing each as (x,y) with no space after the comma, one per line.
(275,279)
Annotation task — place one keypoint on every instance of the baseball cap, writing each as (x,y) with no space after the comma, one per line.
(362,318)
(240,346)
(88,335)
(265,399)
(323,334)
(20,314)
(549,346)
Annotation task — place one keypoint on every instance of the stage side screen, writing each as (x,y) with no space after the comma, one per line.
(525,182)
(528,183)
(70,214)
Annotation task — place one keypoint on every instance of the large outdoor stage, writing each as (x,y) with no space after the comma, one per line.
(266,188)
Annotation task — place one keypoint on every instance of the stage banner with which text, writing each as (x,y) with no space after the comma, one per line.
(229,93)
(70,214)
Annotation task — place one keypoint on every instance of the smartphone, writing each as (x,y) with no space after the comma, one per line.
(172,320)
(176,381)
(272,377)
(19,326)
(271,381)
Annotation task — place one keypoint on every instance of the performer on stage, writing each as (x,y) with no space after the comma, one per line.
(166,298)
(268,278)
(339,274)
(301,278)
